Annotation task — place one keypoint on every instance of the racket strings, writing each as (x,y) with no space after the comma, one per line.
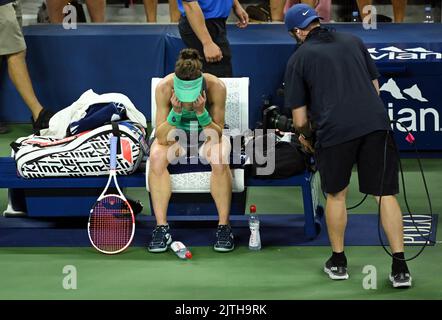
(111,224)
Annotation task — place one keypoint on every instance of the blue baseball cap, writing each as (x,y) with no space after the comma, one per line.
(300,16)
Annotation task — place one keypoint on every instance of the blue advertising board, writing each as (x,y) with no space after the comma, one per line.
(411,90)
(123,58)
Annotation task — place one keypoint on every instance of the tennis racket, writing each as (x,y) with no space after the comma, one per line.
(111,225)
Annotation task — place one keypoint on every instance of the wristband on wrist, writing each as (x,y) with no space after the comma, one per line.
(204,119)
(174,118)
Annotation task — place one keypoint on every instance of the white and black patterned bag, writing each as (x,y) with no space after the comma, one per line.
(81,155)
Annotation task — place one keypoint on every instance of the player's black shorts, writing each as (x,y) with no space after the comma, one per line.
(217,30)
(335,164)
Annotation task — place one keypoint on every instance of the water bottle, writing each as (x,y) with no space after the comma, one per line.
(255,238)
(180,250)
(428,15)
(355,16)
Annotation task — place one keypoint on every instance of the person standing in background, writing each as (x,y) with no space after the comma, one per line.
(278,8)
(398,9)
(150,7)
(13,49)
(96,9)
(202,27)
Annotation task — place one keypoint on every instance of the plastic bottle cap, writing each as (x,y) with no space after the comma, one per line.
(189,255)
(252,208)
(355,13)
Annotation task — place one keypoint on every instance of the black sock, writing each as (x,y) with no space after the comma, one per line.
(339,258)
(399,265)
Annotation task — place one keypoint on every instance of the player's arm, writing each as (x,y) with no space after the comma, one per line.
(218,107)
(163,94)
(194,14)
(213,121)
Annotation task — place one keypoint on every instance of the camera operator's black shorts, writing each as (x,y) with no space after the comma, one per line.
(217,30)
(335,164)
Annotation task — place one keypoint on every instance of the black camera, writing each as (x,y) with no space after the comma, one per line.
(273,119)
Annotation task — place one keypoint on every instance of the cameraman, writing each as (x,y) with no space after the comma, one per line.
(331,80)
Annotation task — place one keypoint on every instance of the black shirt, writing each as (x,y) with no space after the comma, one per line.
(332,73)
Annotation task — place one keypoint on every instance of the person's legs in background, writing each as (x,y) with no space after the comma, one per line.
(361,5)
(323,9)
(311,3)
(96,10)
(277,9)
(55,10)
(174,13)
(150,7)
(19,75)
(14,51)
(399,10)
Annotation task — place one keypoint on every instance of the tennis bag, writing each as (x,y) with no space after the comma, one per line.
(81,155)
(290,160)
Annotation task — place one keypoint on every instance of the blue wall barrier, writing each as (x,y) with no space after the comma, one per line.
(123,58)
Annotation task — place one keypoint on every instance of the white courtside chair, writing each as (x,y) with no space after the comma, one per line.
(237,117)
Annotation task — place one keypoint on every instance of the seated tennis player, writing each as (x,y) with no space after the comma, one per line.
(189,103)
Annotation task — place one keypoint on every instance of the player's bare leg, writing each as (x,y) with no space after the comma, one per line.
(221,189)
(159,181)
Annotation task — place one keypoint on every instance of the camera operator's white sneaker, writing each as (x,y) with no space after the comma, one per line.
(401,280)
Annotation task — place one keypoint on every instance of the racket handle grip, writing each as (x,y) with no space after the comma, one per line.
(113,152)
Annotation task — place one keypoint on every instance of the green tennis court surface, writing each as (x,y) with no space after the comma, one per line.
(273,273)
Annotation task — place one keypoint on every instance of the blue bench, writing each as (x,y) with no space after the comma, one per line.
(56,197)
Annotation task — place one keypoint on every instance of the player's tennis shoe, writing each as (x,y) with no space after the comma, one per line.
(336,271)
(224,239)
(400,280)
(161,239)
